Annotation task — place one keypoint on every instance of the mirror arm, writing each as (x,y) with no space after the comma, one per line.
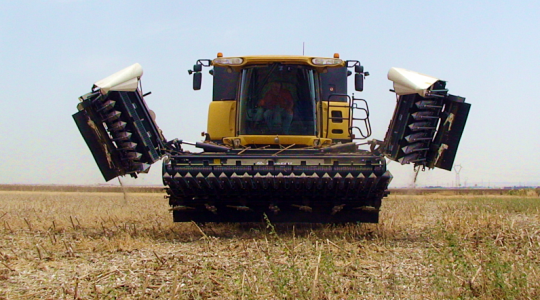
(197,75)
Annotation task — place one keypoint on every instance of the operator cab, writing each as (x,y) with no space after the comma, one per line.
(277,99)
(282,100)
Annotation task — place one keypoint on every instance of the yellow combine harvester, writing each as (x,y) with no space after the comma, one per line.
(281,139)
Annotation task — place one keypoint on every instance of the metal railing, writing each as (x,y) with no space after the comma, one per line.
(355,105)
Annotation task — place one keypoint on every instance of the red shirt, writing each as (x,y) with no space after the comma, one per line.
(283,99)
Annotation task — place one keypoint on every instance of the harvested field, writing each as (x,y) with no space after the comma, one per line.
(89,245)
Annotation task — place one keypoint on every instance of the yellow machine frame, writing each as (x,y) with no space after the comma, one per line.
(222,115)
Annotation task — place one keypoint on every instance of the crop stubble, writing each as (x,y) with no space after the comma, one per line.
(99,245)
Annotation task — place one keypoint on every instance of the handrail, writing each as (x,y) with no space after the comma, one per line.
(367,123)
(353,105)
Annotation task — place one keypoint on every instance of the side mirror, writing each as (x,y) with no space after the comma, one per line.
(197,81)
(359,78)
(197,77)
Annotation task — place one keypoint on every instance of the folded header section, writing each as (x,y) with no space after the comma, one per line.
(125,80)
(118,127)
(428,121)
(409,82)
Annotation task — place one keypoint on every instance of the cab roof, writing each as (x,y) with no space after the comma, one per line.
(270,59)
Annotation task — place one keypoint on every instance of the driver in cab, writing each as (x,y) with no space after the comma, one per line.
(278,107)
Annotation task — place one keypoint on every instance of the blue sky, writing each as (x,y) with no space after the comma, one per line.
(53,51)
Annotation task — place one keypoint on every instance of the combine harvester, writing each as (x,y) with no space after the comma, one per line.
(281,139)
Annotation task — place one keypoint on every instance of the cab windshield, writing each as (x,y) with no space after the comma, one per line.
(277,100)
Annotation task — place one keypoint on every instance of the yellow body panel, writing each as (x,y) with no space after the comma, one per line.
(335,129)
(222,114)
(221,119)
(301,140)
(284,59)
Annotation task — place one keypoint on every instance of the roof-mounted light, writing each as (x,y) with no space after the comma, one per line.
(228,61)
(326,61)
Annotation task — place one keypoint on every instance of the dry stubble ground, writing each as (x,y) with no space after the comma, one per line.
(57,245)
